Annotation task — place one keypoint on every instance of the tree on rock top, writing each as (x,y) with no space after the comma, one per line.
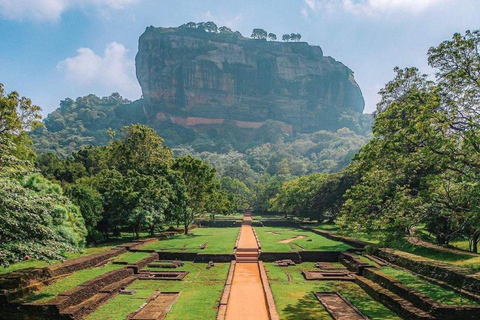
(259,34)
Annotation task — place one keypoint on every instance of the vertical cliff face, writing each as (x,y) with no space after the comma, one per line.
(189,73)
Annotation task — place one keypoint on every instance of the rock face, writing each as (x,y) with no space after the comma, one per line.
(189,74)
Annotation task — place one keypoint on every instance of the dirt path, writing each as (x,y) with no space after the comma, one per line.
(247,297)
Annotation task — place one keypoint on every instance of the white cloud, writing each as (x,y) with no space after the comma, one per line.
(374,7)
(113,71)
(44,10)
(232,22)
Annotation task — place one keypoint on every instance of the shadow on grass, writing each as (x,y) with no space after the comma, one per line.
(306,308)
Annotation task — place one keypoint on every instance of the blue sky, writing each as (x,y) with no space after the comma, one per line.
(53,49)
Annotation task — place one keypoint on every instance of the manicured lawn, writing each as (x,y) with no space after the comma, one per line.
(218,240)
(68,283)
(271,236)
(295,300)
(40,264)
(200,292)
(436,292)
(131,257)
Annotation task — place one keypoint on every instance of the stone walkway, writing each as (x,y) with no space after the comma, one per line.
(247,296)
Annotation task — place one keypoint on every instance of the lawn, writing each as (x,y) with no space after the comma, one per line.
(434,291)
(40,264)
(218,240)
(68,283)
(131,257)
(270,238)
(200,292)
(295,300)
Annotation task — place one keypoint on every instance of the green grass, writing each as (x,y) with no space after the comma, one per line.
(68,283)
(436,292)
(270,236)
(295,300)
(460,260)
(200,292)
(219,240)
(40,264)
(131,257)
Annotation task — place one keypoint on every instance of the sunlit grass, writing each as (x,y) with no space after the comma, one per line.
(270,236)
(434,291)
(218,240)
(295,300)
(200,293)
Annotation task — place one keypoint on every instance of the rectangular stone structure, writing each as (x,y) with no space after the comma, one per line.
(339,307)
(157,306)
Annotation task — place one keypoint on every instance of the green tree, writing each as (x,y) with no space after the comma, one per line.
(286,37)
(259,34)
(272,36)
(199,180)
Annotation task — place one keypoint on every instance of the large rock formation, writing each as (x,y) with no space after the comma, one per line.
(192,77)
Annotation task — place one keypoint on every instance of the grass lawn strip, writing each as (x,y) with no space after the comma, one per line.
(200,293)
(270,236)
(434,291)
(131,257)
(295,300)
(219,240)
(41,264)
(68,283)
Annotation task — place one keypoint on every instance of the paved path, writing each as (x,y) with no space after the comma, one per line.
(247,297)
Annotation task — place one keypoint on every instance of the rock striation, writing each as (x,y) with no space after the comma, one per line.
(193,77)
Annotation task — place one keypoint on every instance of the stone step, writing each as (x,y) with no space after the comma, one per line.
(394,302)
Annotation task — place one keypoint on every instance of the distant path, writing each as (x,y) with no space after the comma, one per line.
(419,242)
(247,296)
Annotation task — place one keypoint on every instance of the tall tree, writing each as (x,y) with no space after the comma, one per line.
(259,34)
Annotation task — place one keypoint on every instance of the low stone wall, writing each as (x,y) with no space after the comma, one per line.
(403,308)
(353,263)
(87,289)
(183,256)
(336,237)
(19,283)
(274,256)
(275,223)
(142,263)
(319,256)
(206,257)
(221,224)
(439,311)
(457,277)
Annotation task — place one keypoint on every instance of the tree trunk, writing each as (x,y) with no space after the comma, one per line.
(475,239)
(186,228)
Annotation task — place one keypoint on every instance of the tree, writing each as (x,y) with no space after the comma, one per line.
(199,180)
(38,221)
(89,201)
(225,30)
(210,27)
(286,37)
(18,116)
(272,36)
(259,34)
(191,25)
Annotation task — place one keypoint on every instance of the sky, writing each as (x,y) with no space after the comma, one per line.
(54,49)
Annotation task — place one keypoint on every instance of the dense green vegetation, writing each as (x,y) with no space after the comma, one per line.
(420,172)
